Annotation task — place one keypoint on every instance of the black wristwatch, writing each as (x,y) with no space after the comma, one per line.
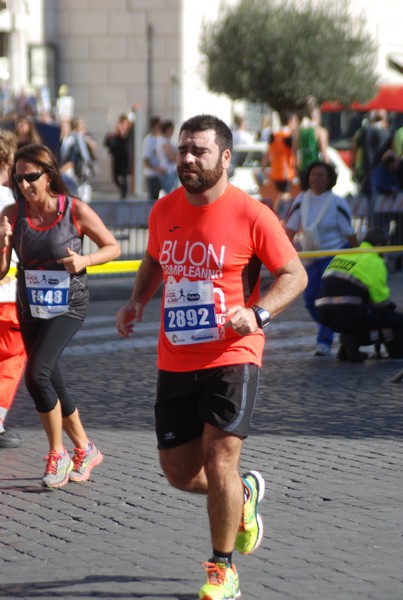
(262,316)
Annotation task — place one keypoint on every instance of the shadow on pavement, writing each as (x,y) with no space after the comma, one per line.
(328,398)
(300,396)
(59,589)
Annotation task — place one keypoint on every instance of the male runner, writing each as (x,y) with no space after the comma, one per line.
(207,240)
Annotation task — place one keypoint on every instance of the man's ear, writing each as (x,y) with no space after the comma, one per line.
(226,158)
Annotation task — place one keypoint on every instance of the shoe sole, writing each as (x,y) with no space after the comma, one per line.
(208,597)
(62,483)
(80,478)
(261,487)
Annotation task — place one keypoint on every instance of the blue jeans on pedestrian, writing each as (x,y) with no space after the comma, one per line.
(315,270)
(169,181)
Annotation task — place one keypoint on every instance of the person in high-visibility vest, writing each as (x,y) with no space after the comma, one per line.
(355,301)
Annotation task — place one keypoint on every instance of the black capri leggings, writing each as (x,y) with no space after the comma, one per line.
(45,340)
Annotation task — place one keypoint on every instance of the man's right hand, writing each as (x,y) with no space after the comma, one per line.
(127,316)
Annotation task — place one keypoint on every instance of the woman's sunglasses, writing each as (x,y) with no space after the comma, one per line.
(29,177)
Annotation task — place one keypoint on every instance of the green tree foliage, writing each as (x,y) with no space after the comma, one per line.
(280,53)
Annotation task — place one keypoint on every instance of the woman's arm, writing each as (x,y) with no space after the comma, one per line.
(92,226)
(6,231)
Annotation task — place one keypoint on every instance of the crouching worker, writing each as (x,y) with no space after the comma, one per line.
(354,300)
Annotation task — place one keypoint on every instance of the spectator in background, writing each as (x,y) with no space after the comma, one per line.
(75,157)
(369,145)
(66,165)
(88,151)
(12,353)
(64,103)
(384,177)
(119,144)
(266,129)
(311,141)
(280,156)
(239,133)
(399,171)
(397,142)
(152,170)
(354,300)
(91,144)
(26,132)
(166,154)
(325,222)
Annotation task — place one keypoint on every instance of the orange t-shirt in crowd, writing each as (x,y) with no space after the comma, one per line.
(282,162)
(211,258)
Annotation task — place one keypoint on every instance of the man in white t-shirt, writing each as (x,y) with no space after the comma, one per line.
(326,223)
(239,134)
(152,169)
(166,154)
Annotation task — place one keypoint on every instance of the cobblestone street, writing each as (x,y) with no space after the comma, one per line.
(327,437)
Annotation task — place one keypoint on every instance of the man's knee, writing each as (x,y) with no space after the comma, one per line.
(221,459)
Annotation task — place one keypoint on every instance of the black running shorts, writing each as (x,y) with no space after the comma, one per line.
(222,396)
(283,185)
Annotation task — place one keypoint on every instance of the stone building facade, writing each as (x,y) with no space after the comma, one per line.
(115,55)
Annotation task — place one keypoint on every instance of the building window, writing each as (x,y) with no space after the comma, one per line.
(42,67)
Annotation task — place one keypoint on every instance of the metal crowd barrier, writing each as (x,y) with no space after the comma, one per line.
(127,221)
(132,240)
(380,210)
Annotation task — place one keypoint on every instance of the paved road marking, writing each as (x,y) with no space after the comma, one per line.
(142,328)
(145,336)
(109,327)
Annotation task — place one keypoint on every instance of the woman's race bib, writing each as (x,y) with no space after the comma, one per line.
(189,312)
(48,293)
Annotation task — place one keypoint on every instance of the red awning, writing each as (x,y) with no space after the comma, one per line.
(389,97)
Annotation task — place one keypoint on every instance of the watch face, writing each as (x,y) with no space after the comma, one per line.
(262,316)
(265,317)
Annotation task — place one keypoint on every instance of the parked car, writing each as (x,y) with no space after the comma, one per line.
(245,167)
(345,185)
(245,173)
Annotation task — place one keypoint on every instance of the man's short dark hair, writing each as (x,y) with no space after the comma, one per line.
(203,122)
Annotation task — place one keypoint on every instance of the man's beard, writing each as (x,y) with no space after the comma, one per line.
(199,180)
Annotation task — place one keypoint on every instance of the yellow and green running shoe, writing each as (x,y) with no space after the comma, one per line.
(222,582)
(250,530)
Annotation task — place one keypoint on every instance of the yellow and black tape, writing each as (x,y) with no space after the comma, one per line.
(132,266)
(377,249)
